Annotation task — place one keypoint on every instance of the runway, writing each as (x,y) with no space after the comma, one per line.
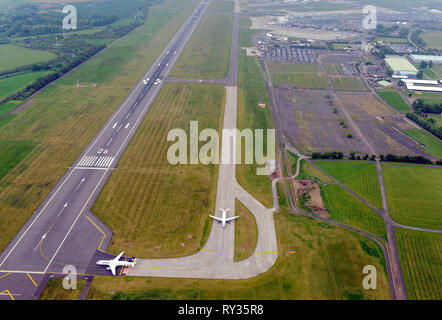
(63,231)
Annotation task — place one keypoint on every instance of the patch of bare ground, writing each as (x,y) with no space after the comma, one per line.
(309,193)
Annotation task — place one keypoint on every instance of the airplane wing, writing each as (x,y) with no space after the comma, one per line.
(117,258)
(228,219)
(216,218)
(113,268)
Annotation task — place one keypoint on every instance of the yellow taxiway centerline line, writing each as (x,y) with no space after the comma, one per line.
(32,279)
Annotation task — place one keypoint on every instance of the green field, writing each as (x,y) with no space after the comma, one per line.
(307,171)
(246,232)
(327,265)
(11,85)
(11,153)
(346,83)
(8,106)
(207,54)
(413,194)
(394,99)
(136,202)
(432,144)
(54,290)
(244,37)
(63,119)
(421,260)
(392,40)
(16,56)
(293,67)
(360,177)
(307,80)
(433,39)
(251,92)
(344,207)
(332,68)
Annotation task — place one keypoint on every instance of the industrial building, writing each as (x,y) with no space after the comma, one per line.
(418,58)
(401,67)
(423,85)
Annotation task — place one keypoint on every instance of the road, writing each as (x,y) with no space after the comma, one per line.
(63,231)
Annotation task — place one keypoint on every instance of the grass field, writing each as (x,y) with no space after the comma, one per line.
(413,194)
(16,56)
(251,92)
(332,68)
(421,260)
(244,37)
(394,99)
(63,118)
(432,144)
(307,80)
(433,39)
(392,40)
(8,106)
(246,232)
(360,177)
(344,207)
(327,265)
(140,202)
(11,153)
(13,84)
(54,290)
(346,83)
(293,67)
(307,171)
(207,54)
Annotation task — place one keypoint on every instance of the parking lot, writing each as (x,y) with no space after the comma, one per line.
(288,54)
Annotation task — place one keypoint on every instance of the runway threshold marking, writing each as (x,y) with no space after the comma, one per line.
(31,279)
(102,232)
(7,291)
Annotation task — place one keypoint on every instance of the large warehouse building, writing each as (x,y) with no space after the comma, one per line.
(401,67)
(418,58)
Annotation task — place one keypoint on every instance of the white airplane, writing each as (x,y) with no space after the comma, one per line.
(114,263)
(224,218)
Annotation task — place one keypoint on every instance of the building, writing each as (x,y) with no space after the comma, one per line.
(418,58)
(401,67)
(423,85)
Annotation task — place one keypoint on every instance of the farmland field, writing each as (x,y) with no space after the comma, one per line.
(433,39)
(246,232)
(293,67)
(13,84)
(307,171)
(63,118)
(346,83)
(432,144)
(360,177)
(139,202)
(344,207)
(413,194)
(16,56)
(421,260)
(327,265)
(332,68)
(307,80)
(394,99)
(207,53)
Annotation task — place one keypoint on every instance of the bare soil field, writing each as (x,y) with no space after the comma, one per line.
(379,124)
(308,117)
